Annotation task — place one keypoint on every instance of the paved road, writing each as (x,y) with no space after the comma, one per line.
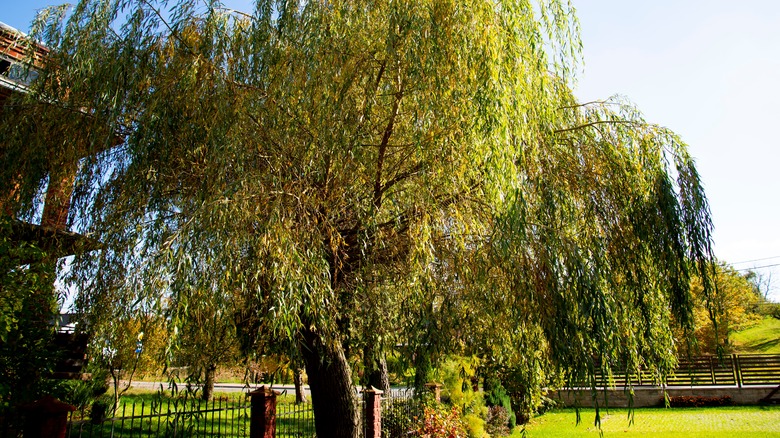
(220,387)
(240,387)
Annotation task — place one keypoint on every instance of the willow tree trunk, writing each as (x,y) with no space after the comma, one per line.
(300,393)
(333,396)
(208,385)
(422,369)
(376,369)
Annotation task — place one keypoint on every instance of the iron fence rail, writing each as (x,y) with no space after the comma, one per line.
(222,417)
(295,420)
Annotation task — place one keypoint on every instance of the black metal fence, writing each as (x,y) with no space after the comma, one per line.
(295,420)
(399,410)
(222,417)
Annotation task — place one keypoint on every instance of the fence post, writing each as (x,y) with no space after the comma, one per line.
(262,420)
(737,369)
(373,412)
(712,372)
(435,389)
(46,418)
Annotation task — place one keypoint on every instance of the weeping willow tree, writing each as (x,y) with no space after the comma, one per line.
(358,172)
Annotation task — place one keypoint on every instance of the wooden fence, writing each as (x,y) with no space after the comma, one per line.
(734,370)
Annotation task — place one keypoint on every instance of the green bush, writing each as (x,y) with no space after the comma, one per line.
(497,396)
(457,374)
(545,404)
(475,426)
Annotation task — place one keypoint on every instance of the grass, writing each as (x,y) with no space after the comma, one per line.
(763,337)
(741,421)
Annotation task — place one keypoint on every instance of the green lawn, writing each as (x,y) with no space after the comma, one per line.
(738,421)
(763,337)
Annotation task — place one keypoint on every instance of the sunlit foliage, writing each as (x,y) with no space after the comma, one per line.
(364,174)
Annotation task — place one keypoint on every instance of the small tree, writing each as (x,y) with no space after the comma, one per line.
(204,336)
(736,301)
(125,346)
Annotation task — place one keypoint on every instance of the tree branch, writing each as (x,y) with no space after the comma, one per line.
(598,122)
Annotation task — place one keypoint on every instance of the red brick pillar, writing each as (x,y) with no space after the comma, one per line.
(262,419)
(46,418)
(435,389)
(373,399)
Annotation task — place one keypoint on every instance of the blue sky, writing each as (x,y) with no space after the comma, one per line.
(707,69)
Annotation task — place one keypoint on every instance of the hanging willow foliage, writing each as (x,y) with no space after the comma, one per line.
(360,174)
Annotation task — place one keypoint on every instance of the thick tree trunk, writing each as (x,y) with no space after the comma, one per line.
(300,394)
(423,370)
(380,378)
(208,385)
(376,369)
(334,399)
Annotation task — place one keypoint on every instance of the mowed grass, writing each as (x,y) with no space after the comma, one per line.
(737,421)
(763,337)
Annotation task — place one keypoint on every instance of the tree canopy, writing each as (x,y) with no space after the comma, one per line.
(361,174)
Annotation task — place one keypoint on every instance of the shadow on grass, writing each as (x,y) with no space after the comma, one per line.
(762,347)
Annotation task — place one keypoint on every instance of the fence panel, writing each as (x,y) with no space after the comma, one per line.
(295,420)
(759,369)
(704,370)
(399,408)
(743,369)
(222,417)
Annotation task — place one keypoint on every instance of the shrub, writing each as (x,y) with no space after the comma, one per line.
(475,426)
(498,421)
(684,401)
(458,374)
(439,422)
(496,395)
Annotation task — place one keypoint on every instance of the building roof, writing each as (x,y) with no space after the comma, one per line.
(16,71)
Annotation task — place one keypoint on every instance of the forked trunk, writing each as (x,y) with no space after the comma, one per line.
(334,400)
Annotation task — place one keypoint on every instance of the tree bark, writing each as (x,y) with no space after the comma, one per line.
(208,385)
(334,399)
(380,378)
(423,370)
(376,369)
(300,394)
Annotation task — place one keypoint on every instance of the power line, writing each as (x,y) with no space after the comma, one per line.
(758,267)
(755,260)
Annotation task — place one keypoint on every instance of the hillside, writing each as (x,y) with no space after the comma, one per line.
(761,337)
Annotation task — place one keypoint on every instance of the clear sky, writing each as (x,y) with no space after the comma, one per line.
(707,69)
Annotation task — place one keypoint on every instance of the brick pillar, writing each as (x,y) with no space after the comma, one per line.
(373,398)
(46,418)
(435,389)
(262,419)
